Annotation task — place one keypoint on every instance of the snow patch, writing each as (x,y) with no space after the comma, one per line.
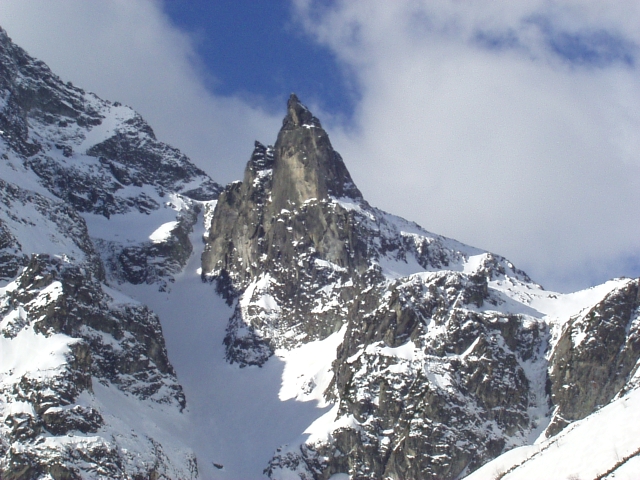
(163,232)
(394,268)
(473,263)
(329,265)
(114,118)
(46,355)
(209,209)
(307,372)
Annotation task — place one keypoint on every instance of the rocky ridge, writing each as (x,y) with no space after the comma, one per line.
(75,169)
(80,335)
(103,160)
(449,356)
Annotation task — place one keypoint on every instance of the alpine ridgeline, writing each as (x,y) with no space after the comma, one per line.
(448,356)
(87,196)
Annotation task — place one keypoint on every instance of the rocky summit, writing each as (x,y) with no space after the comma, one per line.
(314,336)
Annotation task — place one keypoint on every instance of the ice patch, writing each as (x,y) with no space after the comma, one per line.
(348,203)
(405,352)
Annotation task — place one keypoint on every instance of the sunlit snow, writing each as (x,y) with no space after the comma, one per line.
(163,232)
(584,450)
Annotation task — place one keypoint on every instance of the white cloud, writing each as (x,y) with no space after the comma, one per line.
(128,51)
(512,126)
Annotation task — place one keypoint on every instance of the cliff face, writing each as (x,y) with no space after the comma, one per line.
(305,165)
(282,225)
(302,171)
(596,356)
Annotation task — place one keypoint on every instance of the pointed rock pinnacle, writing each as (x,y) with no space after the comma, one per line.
(306,165)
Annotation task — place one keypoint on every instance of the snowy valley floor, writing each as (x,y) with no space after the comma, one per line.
(236,417)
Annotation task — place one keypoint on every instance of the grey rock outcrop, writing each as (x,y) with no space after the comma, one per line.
(596,356)
(278,223)
(305,164)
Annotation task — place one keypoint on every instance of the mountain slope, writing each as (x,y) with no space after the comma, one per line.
(86,386)
(603,445)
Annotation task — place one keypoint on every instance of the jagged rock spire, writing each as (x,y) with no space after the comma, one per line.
(298,115)
(306,165)
(301,173)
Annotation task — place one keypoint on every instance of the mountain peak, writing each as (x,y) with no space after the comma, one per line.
(298,115)
(306,166)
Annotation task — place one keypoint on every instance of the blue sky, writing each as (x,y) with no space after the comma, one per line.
(510,126)
(259,50)
(255,49)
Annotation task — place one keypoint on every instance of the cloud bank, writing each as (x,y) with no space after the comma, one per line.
(511,126)
(128,51)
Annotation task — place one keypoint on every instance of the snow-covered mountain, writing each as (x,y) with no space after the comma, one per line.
(156,325)
(89,198)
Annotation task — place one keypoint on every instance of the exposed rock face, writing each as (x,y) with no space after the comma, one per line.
(596,356)
(305,165)
(302,171)
(461,394)
(281,224)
